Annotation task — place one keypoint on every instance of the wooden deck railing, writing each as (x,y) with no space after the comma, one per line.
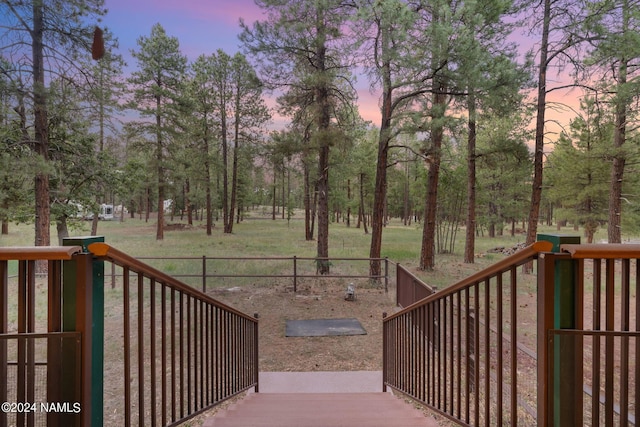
(589,336)
(445,350)
(41,359)
(175,352)
(458,351)
(182,351)
(410,288)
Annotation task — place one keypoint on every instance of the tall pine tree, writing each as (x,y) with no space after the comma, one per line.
(158,84)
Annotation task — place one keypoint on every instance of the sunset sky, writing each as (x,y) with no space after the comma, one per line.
(204,26)
(201,26)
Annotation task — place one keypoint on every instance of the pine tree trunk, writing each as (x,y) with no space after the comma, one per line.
(619,137)
(161,187)
(427,253)
(380,191)
(323,205)
(308,233)
(207,183)
(470,232)
(42,197)
(226,218)
(536,185)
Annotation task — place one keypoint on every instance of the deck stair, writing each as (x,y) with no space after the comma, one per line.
(320,410)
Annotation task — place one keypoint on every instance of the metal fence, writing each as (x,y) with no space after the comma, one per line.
(198,271)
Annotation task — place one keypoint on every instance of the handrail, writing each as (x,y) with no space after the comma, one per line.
(35,253)
(602,250)
(120,258)
(520,257)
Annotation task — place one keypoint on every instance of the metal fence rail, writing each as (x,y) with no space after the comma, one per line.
(204,268)
(445,351)
(182,351)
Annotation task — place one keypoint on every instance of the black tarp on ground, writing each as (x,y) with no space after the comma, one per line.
(323,327)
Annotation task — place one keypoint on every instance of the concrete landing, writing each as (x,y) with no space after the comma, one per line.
(321,382)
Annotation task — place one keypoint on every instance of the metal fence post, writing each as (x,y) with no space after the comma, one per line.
(204,274)
(295,274)
(385,353)
(386,275)
(83,311)
(565,367)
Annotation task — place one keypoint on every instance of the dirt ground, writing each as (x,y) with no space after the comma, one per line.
(320,299)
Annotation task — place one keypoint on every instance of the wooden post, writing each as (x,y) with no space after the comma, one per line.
(83,311)
(4,324)
(559,358)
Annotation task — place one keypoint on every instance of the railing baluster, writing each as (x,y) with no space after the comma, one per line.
(458,345)
(127,345)
(413,355)
(624,345)
(218,354)
(181,373)
(152,349)
(513,319)
(31,345)
(22,328)
(189,354)
(163,350)
(202,323)
(174,414)
(140,349)
(476,356)
(467,385)
(597,319)
(443,344)
(487,351)
(636,393)
(4,329)
(609,342)
(431,355)
(208,352)
(499,359)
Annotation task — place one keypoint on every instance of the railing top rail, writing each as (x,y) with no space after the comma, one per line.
(35,253)
(602,250)
(105,251)
(518,258)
